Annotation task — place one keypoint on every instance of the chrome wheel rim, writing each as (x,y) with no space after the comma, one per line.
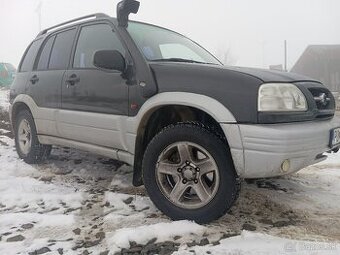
(187,175)
(24,136)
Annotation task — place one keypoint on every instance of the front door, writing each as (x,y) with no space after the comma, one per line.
(94,101)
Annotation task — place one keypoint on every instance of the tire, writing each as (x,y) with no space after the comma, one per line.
(26,141)
(190,190)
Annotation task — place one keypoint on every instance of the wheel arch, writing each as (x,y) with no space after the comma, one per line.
(21,102)
(17,107)
(177,107)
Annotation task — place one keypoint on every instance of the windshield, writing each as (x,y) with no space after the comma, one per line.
(159,44)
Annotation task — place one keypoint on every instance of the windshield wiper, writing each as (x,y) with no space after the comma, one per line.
(178,60)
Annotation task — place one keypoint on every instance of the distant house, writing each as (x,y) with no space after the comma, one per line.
(321,62)
(276,67)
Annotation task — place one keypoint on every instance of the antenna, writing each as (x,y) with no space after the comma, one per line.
(285,56)
(38,11)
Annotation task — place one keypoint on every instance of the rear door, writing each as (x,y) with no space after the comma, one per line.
(50,67)
(94,101)
(46,78)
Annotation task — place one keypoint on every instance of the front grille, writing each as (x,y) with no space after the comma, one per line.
(323,98)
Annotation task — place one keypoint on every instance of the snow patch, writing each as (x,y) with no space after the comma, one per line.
(162,231)
(250,243)
(4,96)
(42,220)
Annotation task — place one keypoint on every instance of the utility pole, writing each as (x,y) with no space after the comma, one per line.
(285,56)
(263,54)
(38,11)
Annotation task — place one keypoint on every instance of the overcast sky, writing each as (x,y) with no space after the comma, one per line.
(253,31)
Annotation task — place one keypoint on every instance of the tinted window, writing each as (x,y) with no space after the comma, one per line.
(94,38)
(28,60)
(61,51)
(45,54)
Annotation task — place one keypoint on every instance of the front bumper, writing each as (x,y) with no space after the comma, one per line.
(264,147)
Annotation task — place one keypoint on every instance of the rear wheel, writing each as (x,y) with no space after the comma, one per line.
(26,140)
(188,173)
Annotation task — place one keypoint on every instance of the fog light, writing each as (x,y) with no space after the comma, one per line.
(285,165)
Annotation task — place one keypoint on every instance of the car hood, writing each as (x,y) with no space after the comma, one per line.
(262,74)
(235,87)
(271,75)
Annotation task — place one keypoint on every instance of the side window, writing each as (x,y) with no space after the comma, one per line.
(45,54)
(93,38)
(28,61)
(61,51)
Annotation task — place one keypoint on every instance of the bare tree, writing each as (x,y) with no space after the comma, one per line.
(226,56)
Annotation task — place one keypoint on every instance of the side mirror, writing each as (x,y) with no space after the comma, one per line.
(109,59)
(124,8)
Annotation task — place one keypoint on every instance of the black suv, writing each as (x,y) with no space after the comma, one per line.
(154,99)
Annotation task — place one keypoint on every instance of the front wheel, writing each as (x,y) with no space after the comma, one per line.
(188,173)
(26,140)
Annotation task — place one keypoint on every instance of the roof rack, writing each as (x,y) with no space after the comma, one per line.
(95,15)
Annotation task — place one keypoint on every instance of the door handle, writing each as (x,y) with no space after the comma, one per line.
(72,80)
(34,79)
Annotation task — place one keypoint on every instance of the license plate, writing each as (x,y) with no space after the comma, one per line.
(335,137)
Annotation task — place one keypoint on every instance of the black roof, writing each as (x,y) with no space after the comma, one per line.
(74,21)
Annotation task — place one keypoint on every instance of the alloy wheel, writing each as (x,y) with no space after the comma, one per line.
(187,175)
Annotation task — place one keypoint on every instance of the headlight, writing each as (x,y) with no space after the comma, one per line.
(281,97)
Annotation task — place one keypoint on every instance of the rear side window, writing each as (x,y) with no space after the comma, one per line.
(93,38)
(27,62)
(45,54)
(61,51)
